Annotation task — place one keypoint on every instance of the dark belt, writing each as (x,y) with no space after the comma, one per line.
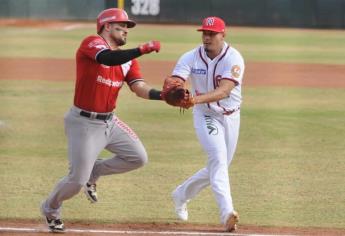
(94,115)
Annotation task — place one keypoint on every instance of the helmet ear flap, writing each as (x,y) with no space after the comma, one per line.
(106,25)
(100,30)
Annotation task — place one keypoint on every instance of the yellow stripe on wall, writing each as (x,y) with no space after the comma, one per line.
(121,4)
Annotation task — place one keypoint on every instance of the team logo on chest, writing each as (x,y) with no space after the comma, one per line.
(108,82)
(198,71)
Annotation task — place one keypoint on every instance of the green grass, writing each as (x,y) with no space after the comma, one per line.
(288,169)
(256,44)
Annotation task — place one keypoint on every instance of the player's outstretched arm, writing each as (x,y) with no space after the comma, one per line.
(143,90)
(117,57)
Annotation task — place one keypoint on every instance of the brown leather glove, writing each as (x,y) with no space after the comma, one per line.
(175,94)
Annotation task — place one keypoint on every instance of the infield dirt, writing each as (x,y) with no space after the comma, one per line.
(257,74)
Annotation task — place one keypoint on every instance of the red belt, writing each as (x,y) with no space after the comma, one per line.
(228,113)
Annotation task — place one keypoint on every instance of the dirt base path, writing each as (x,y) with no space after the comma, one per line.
(256,74)
(161,229)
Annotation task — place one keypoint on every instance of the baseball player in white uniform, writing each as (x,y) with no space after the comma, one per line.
(215,70)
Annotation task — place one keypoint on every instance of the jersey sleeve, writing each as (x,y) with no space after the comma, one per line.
(183,66)
(134,74)
(92,46)
(234,68)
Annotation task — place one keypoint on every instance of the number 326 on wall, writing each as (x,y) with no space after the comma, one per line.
(145,7)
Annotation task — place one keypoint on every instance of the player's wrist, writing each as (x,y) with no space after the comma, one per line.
(194,100)
(155,94)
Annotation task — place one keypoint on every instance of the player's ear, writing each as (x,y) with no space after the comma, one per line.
(106,26)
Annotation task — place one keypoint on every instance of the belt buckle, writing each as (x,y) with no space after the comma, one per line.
(109,116)
(93,115)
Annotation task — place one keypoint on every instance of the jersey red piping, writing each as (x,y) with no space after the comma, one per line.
(214,77)
(208,104)
(231,79)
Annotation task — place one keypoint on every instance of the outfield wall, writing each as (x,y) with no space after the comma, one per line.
(288,13)
(281,13)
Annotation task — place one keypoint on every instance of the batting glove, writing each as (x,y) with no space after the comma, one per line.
(150,47)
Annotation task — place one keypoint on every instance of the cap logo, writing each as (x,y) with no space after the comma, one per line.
(210,21)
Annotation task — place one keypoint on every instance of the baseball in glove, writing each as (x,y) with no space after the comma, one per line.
(175,94)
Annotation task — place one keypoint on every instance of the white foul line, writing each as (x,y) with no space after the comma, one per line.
(128,232)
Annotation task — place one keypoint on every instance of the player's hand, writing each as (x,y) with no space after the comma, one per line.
(188,100)
(150,47)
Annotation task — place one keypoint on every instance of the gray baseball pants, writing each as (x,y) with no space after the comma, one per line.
(86,139)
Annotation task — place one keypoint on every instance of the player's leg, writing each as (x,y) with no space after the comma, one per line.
(85,142)
(231,125)
(211,134)
(129,152)
(192,186)
(232,128)
(187,191)
(198,181)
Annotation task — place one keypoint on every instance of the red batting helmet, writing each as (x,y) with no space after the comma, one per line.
(113,15)
(213,23)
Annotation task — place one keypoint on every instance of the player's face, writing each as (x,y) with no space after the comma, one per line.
(213,41)
(118,33)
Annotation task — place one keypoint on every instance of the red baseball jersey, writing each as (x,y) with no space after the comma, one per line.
(97,86)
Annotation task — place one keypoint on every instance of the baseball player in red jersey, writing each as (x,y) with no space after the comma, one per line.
(91,125)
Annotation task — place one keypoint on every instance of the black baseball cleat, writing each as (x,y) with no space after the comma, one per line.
(91,192)
(55,225)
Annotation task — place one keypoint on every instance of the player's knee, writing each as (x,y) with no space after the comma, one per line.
(78,181)
(143,159)
(217,159)
(78,187)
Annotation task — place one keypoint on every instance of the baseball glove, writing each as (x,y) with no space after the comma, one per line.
(175,94)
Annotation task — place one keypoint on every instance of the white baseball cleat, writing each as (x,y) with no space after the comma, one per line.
(180,207)
(231,222)
(91,192)
(55,225)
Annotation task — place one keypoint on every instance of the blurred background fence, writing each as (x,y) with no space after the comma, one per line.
(282,13)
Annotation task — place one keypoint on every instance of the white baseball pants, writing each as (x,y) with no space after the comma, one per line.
(86,139)
(218,135)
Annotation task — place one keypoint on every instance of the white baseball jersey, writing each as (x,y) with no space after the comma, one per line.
(216,124)
(206,74)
